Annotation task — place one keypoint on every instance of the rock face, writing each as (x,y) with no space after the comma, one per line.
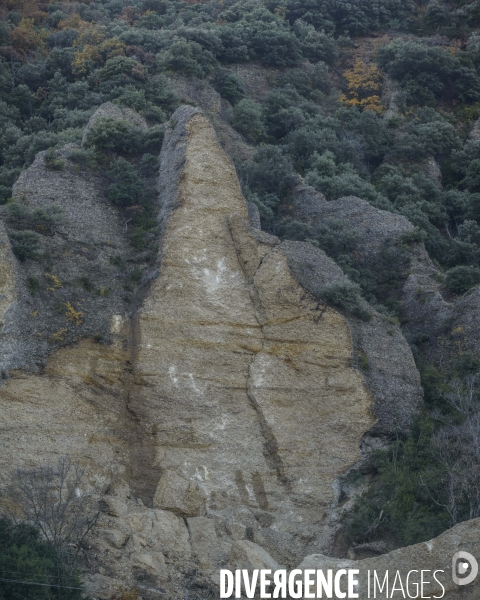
(240,372)
(447,325)
(381,352)
(374,226)
(434,555)
(13,349)
(226,408)
(77,292)
(388,365)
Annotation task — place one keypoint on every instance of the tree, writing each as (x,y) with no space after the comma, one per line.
(364,87)
(229,85)
(248,119)
(114,135)
(26,557)
(460,279)
(53,498)
(427,72)
(128,186)
(457,447)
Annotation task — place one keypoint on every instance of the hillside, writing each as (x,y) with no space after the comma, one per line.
(240,248)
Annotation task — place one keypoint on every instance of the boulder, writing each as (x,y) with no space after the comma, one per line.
(250,556)
(209,550)
(102,587)
(182,497)
(151,565)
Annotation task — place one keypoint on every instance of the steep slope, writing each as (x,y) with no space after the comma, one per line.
(229,398)
(445,324)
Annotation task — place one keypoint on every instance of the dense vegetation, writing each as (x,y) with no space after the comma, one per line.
(29,566)
(323,118)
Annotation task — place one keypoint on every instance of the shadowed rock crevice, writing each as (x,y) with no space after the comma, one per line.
(274,460)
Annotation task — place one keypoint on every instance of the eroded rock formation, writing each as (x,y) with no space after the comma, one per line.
(226,405)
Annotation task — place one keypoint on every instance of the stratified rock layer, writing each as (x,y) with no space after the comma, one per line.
(244,380)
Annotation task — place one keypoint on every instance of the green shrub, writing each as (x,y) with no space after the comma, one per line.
(248,120)
(428,72)
(40,220)
(460,279)
(25,556)
(83,158)
(346,296)
(52,162)
(127,188)
(396,505)
(153,139)
(115,136)
(149,165)
(5,193)
(270,171)
(86,284)
(413,237)
(357,17)
(33,285)
(25,244)
(229,85)
(117,66)
(188,58)
(466,365)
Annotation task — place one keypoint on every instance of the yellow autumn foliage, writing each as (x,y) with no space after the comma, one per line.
(113,47)
(364,87)
(72,315)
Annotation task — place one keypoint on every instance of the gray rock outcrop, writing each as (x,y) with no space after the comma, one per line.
(443,323)
(219,419)
(432,556)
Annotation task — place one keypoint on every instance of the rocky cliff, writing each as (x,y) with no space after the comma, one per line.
(223,407)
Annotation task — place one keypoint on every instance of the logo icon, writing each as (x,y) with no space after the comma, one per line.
(462,563)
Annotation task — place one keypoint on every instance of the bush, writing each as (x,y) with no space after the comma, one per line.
(33,285)
(346,296)
(229,85)
(428,72)
(119,65)
(153,139)
(25,244)
(5,193)
(128,186)
(188,58)
(460,279)
(315,45)
(52,162)
(270,171)
(357,17)
(40,220)
(248,120)
(149,165)
(114,136)
(397,505)
(310,83)
(25,555)
(81,157)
